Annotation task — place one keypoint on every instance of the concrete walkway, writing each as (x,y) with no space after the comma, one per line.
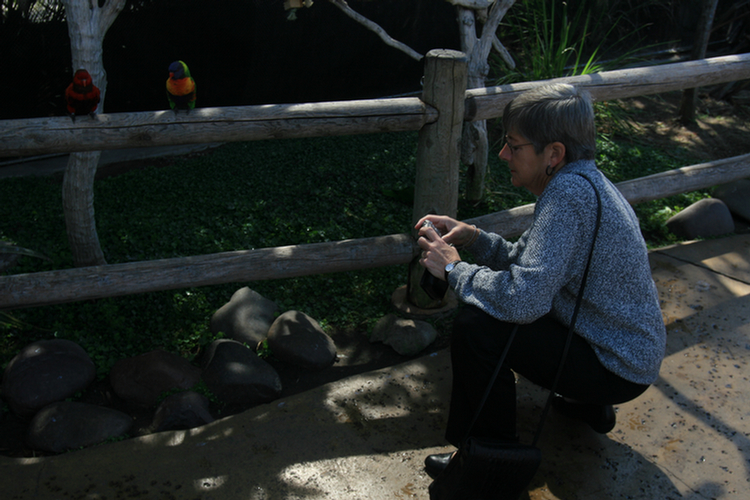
(364,438)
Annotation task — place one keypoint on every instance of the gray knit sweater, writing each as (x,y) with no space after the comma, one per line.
(541,273)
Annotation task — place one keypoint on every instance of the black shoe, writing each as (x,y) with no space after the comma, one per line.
(601,418)
(435,464)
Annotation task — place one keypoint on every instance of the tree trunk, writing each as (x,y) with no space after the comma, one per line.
(474,138)
(87,25)
(78,207)
(687,106)
(475,141)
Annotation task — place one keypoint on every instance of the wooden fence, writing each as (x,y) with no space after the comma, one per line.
(438,115)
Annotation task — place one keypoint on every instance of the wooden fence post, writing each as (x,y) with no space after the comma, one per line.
(438,151)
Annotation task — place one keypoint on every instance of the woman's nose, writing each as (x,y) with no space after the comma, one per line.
(505,153)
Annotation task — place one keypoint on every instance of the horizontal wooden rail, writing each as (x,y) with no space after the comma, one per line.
(34,136)
(84,283)
(68,285)
(685,179)
(513,222)
(489,102)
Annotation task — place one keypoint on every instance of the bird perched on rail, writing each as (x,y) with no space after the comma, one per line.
(180,87)
(82,96)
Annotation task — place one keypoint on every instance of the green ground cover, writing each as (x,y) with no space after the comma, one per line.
(256,195)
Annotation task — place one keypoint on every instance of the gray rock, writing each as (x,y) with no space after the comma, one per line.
(297,339)
(245,318)
(237,376)
(68,426)
(703,219)
(45,372)
(406,336)
(180,411)
(736,196)
(143,379)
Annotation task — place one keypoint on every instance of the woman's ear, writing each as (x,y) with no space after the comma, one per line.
(557,154)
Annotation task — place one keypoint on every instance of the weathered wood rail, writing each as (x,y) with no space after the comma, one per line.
(487,103)
(53,287)
(513,222)
(202,125)
(274,121)
(437,116)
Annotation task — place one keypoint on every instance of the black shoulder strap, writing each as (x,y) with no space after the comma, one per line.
(567,342)
(574,318)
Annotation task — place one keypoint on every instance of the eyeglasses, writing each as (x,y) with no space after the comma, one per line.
(514,148)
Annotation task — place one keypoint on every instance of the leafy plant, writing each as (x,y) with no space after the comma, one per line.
(263,350)
(202,388)
(551,41)
(35,11)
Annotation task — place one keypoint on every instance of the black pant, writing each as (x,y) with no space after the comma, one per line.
(478,341)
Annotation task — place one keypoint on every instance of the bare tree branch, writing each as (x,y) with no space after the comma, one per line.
(377,29)
(109,13)
(467,30)
(504,54)
(477,48)
(474,142)
(497,12)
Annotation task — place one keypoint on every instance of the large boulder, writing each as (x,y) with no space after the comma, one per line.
(246,318)
(298,339)
(45,372)
(237,376)
(406,336)
(67,425)
(703,219)
(180,411)
(143,379)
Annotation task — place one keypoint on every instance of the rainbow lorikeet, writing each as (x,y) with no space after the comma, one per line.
(82,96)
(180,87)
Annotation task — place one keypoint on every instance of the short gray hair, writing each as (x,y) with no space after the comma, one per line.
(554,113)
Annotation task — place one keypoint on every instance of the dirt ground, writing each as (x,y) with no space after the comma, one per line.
(721,129)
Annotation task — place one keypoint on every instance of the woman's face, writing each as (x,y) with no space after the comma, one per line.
(527,168)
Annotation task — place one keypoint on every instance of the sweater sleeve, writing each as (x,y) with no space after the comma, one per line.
(517,282)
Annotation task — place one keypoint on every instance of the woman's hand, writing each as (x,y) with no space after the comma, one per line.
(454,232)
(437,252)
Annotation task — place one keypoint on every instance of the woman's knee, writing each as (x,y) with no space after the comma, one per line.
(478,331)
(464,323)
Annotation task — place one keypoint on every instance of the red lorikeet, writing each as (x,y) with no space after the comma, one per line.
(180,87)
(82,96)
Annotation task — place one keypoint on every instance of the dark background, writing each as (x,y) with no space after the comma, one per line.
(240,52)
(244,52)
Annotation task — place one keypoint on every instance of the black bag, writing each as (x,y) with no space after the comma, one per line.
(483,469)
